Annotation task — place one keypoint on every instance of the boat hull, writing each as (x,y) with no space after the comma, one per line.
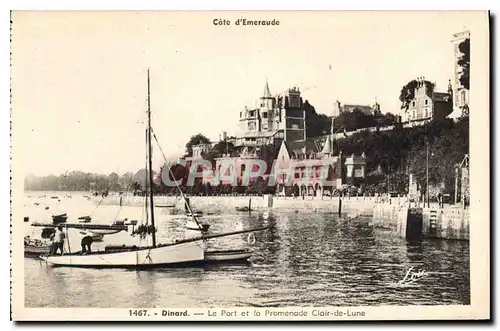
(175,254)
(161,205)
(36,251)
(227,256)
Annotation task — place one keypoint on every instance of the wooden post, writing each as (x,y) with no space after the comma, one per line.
(249,204)
(340,205)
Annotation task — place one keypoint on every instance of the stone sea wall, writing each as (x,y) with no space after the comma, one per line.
(447,223)
(361,205)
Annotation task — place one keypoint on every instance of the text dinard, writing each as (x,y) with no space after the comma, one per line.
(245,22)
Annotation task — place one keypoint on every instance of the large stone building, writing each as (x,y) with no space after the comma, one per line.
(461,94)
(427,104)
(278,118)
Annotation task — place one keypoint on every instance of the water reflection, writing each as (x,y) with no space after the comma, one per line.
(302,260)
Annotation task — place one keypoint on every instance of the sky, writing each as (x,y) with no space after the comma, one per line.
(79,87)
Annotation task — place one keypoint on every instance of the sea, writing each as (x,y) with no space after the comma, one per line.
(303,259)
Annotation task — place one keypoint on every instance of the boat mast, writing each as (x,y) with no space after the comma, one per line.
(150,166)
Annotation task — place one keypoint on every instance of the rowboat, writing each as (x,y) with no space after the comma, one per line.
(195,214)
(164,205)
(227,256)
(61,218)
(35,247)
(84,219)
(244,209)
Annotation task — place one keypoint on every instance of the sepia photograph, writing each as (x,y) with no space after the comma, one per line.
(231,165)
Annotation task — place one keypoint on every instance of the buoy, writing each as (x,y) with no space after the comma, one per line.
(251,239)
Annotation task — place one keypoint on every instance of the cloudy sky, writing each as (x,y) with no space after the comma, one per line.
(79,79)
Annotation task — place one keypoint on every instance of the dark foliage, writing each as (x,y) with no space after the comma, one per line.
(408,92)
(464,62)
(195,140)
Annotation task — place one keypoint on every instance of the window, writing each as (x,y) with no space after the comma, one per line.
(252,113)
(413,115)
(264,115)
(426,111)
(413,104)
(462,97)
(426,101)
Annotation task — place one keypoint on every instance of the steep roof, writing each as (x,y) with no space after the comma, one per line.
(327,147)
(267,92)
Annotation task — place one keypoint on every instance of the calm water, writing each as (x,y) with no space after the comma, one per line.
(303,260)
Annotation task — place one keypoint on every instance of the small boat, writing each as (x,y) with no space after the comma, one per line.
(165,205)
(61,218)
(245,209)
(195,214)
(54,197)
(234,255)
(35,247)
(191,225)
(36,203)
(84,219)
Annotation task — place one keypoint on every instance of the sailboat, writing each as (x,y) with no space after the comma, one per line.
(181,252)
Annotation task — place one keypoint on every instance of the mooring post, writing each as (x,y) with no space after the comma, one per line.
(340,205)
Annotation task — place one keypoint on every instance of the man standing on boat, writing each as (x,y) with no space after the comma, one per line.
(86,243)
(57,241)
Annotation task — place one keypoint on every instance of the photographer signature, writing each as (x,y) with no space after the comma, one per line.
(412,276)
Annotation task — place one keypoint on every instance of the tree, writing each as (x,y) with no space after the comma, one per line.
(224,147)
(135,187)
(464,62)
(408,92)
(195,140)
(316,124)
